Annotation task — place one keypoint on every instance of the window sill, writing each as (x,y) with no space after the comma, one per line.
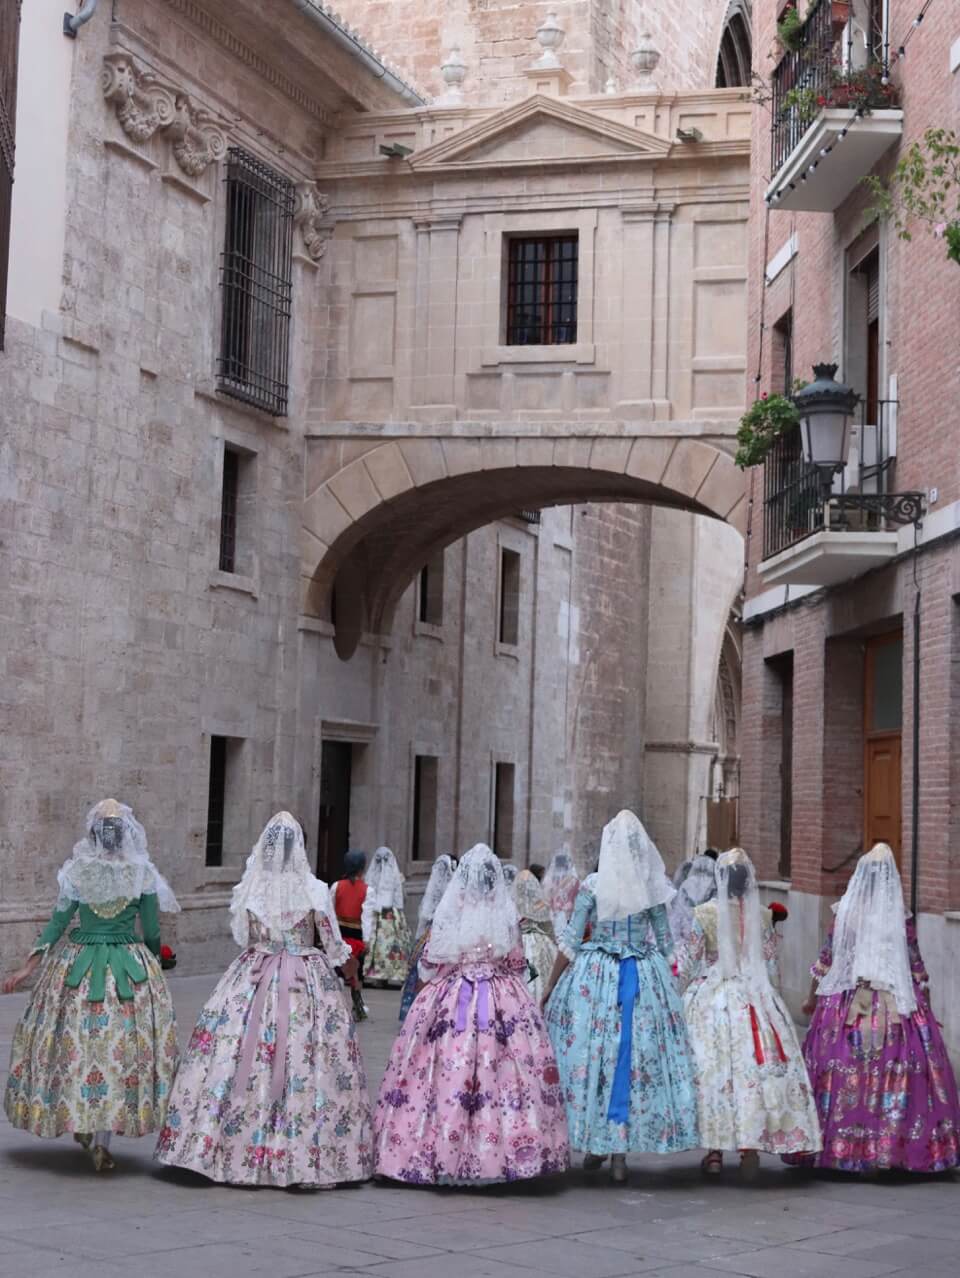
(574,353)
(234,581)
(511,650)
(428,630)
(206,388)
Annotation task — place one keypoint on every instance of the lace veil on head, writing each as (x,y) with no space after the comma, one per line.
(870,935)
(528,895)
(631,876)
(476,919)
(440,876)
(384,881)
(698,884)
(278,887)
(740,921)
(111,863)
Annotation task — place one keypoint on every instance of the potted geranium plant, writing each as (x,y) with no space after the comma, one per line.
(790,30)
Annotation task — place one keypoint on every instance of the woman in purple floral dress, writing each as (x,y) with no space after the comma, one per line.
(882,1080)
(271,1089)
(471,1094)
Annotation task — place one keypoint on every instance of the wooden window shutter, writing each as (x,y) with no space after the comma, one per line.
(9,46)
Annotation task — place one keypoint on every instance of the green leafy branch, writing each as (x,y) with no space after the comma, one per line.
(925,185)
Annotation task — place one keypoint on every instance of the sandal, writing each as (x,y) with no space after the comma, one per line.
(712,1163)
(749,1164)
(102,1159)
(618,1169)
(593,1162)
(83,1139)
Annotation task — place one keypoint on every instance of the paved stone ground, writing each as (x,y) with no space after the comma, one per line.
(56,1218)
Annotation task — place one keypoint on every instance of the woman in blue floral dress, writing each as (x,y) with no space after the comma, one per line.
(614,1014)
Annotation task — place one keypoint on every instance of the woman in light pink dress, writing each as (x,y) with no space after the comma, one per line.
(471,1094)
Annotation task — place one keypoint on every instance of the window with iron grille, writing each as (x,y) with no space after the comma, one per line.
(542,290)
(9,49)
(257,284)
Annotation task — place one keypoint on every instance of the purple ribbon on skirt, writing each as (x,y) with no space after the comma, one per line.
(467,986)
(289,968)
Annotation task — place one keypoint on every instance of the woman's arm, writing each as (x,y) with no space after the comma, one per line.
(661,931)
(559,967)
(150,922)
(691,957)
(49,936)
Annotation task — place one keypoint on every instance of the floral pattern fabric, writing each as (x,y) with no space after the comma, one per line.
(884,1086)
(387,959)
(586,1026)
(471,1092)
(78,1065)
(272,1089)
(752,1086)
(540,951)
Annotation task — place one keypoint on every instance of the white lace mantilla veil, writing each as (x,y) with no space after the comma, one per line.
(95,874)
(740,924)
(278,887)
(384,889)
(529,899)
(561,881)
(699,884)
(476,920)
(440,876)
(510,872)
(870,935)
(631,876)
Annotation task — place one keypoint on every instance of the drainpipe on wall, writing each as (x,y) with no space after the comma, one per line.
(915,832)
(342,36)
(72,22)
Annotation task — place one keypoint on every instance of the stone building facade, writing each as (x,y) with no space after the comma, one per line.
(828,755)
(429,598)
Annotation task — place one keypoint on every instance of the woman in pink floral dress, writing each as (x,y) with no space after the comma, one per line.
(471,1094)
(271,1089)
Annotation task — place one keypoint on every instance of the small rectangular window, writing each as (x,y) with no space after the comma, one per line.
(257,284)
(542,290)
(237,506)
(216,800)
(423,844)
(503,782)
(783,354)
(509,629)
(430,602)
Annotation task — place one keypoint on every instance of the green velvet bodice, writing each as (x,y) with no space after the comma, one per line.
(107,938)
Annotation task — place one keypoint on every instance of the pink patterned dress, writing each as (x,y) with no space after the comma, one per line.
(271,1089)
(471,1094)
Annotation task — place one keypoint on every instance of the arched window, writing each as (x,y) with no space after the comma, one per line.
(735,58)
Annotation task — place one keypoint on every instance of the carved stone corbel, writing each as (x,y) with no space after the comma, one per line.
(143,103)
(308,213)
(196,137)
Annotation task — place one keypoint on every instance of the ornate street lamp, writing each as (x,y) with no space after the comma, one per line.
(825,407)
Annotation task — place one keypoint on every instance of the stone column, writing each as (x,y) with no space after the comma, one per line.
(435,342)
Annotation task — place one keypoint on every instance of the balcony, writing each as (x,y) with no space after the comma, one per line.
(829,127)
(810,541)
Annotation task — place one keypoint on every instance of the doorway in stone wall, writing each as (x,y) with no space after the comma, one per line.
(336,769)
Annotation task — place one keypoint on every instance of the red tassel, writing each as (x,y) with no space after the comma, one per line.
(757,1044)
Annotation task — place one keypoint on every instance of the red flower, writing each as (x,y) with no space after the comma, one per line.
(166,952)
(779,912)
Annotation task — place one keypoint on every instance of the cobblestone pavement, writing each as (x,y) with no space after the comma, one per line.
(56,1218)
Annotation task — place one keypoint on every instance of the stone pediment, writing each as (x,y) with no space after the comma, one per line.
(540,131)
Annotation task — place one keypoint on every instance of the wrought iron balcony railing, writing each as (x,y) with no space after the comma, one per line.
(802,76)
(793,501)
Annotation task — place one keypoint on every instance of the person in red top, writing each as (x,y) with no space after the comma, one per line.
(349,894)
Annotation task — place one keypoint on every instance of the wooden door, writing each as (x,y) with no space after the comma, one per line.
(334,838)
(882,793)
(883,721)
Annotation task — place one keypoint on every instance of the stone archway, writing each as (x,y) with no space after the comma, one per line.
(375,509)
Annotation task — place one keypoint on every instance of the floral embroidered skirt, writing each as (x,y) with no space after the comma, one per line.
(471,1093)
(272,1089)
(884,1088)
(584,1019)
(77,1066)
(752,1086)
(388,954)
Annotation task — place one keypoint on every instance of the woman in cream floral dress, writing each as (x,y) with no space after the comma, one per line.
(272,1089)
(385,931)
(753,1092)
(96,1049)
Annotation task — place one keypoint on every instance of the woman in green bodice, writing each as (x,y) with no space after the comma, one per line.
(95,1051)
